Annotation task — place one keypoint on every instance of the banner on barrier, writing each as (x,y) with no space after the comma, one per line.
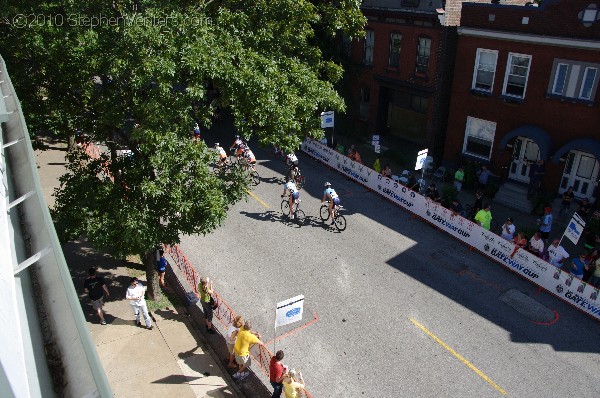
(560,283)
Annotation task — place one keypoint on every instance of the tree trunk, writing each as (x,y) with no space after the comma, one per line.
(149,260)
(70,142)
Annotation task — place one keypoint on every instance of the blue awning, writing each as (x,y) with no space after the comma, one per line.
(582,144)
(537,134)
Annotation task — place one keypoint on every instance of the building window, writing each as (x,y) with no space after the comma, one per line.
(572,79)
(517,72)
(485,70)
(369,44)
(365,100)
(560,79)
(423,51)
(479,138)
(395,45)
(587,85)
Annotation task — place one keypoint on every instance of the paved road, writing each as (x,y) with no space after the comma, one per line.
(372,285)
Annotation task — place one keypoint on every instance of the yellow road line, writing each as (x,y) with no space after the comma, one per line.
(457,355)
(258,199)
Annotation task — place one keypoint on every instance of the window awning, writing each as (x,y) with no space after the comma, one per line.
(582,144)
(537,134)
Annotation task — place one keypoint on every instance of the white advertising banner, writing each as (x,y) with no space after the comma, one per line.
(289,311)
(543,274)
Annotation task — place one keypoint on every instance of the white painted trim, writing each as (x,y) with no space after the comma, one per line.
(476,69)
(507,73)
(527,38)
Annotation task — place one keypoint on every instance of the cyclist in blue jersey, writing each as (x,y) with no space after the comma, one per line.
(333,198)
(290,185)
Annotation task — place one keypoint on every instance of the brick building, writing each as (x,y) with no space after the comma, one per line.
(405,63)
(525,88)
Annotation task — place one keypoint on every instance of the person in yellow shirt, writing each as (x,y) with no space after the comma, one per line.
(246,338)
(484,217)
(291,386)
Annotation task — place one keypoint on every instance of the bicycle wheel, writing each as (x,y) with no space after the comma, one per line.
(300,217)
(324,212)
(255,177)
(285,207)
(340,222)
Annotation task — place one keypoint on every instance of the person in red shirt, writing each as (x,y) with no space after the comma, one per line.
(276,371)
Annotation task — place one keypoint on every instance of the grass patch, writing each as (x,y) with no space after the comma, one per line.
(167,300)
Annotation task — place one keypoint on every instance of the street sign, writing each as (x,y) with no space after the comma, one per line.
(375,140)
(377,148)
(575,228)
(326,119)
(421,157)
(289,311)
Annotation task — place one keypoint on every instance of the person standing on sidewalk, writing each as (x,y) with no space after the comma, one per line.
(95,287)
(232,332)
(246,338)
(291,386)
(546,224)
(205,288)
(459,177)
(276,371)
(135,295)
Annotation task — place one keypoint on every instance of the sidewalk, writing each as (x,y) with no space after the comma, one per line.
(170,360)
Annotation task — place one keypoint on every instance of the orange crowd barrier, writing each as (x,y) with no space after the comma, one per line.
(224,313)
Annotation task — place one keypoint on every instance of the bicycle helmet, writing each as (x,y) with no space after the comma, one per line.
(237,137)
(327,184)
(216,144)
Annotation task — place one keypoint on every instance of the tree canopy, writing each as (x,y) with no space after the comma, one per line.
(141,73)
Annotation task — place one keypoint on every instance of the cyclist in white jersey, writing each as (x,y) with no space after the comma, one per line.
(333,198)
(222,155)
(290,185)
(291,159)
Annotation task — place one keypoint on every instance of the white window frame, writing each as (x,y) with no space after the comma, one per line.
(369,47)
(490,124)
(395,35)
(507,74)
(428,56)
(556,79)
(585,74)
(476,69)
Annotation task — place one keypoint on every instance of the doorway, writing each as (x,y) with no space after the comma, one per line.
(525,153)
(581,173)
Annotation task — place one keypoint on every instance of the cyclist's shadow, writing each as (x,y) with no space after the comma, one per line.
(275,216)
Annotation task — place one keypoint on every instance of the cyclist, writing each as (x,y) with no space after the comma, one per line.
(294,173)
(250,159)
(290,185)
(222,155)
(291,159)
(238,145)
(333,198)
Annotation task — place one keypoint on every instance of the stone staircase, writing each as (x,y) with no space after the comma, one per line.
(514,196)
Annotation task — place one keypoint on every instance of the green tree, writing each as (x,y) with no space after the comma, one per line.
(139,73)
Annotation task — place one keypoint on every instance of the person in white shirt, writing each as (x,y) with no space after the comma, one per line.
(557,254)
(536,244)
(232,332)
(135,295)
(508,230)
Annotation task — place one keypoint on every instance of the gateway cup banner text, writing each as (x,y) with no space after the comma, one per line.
(543,274)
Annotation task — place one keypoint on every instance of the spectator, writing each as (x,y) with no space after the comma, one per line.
(95,287)
(350,150)
(585,208)
(196,132)
(478,204)
(557,254)
(595,278)
(161,268)
(413,184)
(377,165)
(432,193)
(546,224)
(536,244)
(291,386)
(579,265)
(387,171)
(483,176)
(340,148)
(135,295)
(484,217)
(520,242)
(508,230)
(536,172)
(565,204)
(456,208)
(276,371)
(591,258)
(591,242)
(246,337)
(205,288)
(459,177)
(354,155)
(232,332)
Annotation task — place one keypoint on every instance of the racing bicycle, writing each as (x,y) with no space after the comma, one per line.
(339,220)
(299,216)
